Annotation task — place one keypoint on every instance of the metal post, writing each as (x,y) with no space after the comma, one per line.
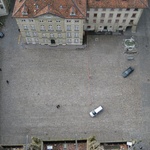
(27,141)
(76,143)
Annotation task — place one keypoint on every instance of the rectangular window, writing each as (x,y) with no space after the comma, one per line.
(105,27)
(95,15)
(42,27)
(68,40)
(1,6)
(88,27)
(34,34)
(76,34)
(68,20)
(117,21)
(25,27)
(68,34)
(50,27)
(118,15)
(109,21)
(87,15)
(57,20)
(110,15)
(51,35)
(131,22)
(104,9)
(112,9)
(101,21)
(58,27)
(128,9)
(49,20)
(120,27)
(123,21)
(27,33)
(32,27)
(41,20)
(68,27)
(59,35)
(76,40)
(133,15)
(30,20)
(126,15)
(76,28)
(28,40)
(136,9)
(43,35)
(103,15)
(94,21)
(76,21)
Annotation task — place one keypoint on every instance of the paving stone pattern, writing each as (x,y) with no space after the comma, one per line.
(78,81)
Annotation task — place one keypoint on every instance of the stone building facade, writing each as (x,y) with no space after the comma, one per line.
(63,22)
(51,30)
(112,19)
(113,15)
(51,23)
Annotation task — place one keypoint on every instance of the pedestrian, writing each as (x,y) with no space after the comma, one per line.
(0,69)
(7,81)
(58,106)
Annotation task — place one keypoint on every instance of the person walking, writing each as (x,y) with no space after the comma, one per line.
(58,106)
(7,81)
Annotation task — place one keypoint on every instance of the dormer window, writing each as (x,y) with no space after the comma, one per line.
(72,11)
(37,6)
(24,10)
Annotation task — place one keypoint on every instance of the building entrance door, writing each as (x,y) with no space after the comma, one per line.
(52,41)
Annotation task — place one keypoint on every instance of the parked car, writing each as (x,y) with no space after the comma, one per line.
(97,110)
(127,72)
(1,34)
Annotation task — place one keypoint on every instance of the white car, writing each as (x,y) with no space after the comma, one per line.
(94,112)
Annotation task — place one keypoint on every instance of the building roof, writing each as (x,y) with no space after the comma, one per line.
(63,8)
(65,144)
(117,3)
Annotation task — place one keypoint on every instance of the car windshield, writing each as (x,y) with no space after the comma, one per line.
(93,112)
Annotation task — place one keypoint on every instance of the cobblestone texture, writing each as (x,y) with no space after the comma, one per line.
(77,80)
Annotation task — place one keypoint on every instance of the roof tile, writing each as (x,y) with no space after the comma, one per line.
(117,3)
(56,7)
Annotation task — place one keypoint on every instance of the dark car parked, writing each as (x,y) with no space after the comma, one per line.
(1,34)
(127,72)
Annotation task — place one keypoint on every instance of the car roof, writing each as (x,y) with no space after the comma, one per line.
(98,109)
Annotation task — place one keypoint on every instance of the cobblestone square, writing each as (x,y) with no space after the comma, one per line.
(40,78)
